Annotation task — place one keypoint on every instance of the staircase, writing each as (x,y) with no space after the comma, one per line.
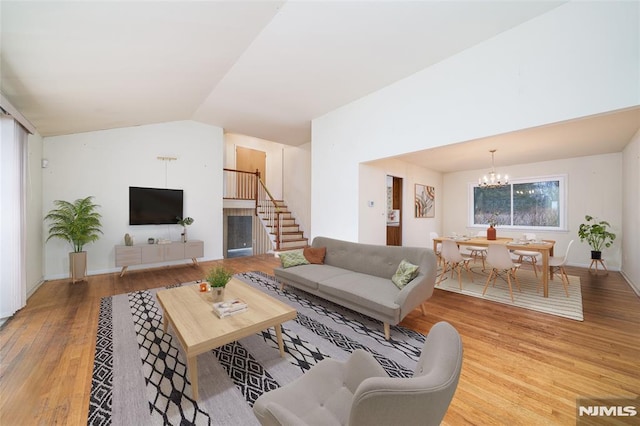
(283,230)
(277,220)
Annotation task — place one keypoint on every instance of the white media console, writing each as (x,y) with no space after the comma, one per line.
(141,254)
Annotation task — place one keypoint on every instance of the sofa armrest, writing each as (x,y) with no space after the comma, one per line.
(412,290)
(360,366)
(419,289)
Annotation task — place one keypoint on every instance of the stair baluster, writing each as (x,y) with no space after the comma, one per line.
(273,215)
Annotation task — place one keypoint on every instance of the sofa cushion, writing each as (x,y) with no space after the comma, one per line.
(315,254)
(406,272)
(292,258)
(308,275)
(375,293)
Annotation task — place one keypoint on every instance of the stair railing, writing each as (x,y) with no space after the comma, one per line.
(271,213)
(240,185)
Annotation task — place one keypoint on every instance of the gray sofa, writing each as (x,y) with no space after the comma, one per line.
(358,276)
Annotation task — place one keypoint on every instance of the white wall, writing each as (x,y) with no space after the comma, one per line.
(594,187)
(372,220)
(631,212)
(105,163)
(297,184)
(577,60)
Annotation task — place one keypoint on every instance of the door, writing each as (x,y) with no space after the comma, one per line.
(394,211)
(250,160)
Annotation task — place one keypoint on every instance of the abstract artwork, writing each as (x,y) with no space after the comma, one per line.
(425,201)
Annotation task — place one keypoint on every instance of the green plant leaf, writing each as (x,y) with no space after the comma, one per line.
(596,233)
(219,276)
(78,223)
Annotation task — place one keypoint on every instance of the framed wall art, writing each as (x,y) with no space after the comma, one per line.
(425,201)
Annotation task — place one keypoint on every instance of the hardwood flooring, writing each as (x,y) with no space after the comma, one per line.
(520,367)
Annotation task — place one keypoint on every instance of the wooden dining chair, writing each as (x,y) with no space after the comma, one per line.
(432,236)
(558,263)
(454,261)
(528,256)
(499,259)
(478,251)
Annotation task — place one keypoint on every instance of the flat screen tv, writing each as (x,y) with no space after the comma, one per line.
(154,206)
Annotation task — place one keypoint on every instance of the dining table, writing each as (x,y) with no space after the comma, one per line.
(544,247)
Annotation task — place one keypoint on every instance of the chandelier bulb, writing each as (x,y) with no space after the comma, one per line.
(493,179)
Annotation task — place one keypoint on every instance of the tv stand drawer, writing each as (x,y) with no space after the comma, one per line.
(142,254)
(128,255)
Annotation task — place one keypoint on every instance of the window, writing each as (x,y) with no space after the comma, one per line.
(534,203)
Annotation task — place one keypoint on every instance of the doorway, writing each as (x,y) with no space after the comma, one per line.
(394,211)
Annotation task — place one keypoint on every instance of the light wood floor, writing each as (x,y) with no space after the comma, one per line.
(520,367)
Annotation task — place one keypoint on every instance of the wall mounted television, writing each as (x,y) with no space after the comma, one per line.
(154,206)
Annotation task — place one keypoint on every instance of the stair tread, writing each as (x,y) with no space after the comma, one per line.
(281,224)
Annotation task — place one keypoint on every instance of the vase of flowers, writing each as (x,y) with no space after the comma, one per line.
(491,230)
(184,223)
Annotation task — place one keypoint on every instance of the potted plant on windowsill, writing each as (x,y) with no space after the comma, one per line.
(596,234)
(78,223)
(218,278)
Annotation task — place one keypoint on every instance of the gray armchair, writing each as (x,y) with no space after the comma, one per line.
(359,392)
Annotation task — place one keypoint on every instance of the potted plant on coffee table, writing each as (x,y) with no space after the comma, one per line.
(218,277)
(78,223)
(596,234)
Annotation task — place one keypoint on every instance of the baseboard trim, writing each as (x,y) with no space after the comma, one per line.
(36,287)
(634,287)
(131,268)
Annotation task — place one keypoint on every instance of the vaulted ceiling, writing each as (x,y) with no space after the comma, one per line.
(262,68)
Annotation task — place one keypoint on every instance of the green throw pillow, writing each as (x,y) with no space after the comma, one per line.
(405,273)
(293,258)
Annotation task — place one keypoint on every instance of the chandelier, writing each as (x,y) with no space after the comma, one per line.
(493,180)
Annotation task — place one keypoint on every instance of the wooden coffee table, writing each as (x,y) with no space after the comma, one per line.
(190,313)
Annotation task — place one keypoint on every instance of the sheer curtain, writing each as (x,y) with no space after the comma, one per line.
(13,157)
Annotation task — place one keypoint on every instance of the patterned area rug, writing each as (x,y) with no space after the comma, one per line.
(140,375)
(530,296)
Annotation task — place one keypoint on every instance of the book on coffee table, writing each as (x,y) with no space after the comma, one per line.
(229,307)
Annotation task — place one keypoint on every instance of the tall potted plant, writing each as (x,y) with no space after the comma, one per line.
(78,223)
(596,234)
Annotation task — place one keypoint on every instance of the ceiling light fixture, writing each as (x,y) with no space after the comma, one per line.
(493,180)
